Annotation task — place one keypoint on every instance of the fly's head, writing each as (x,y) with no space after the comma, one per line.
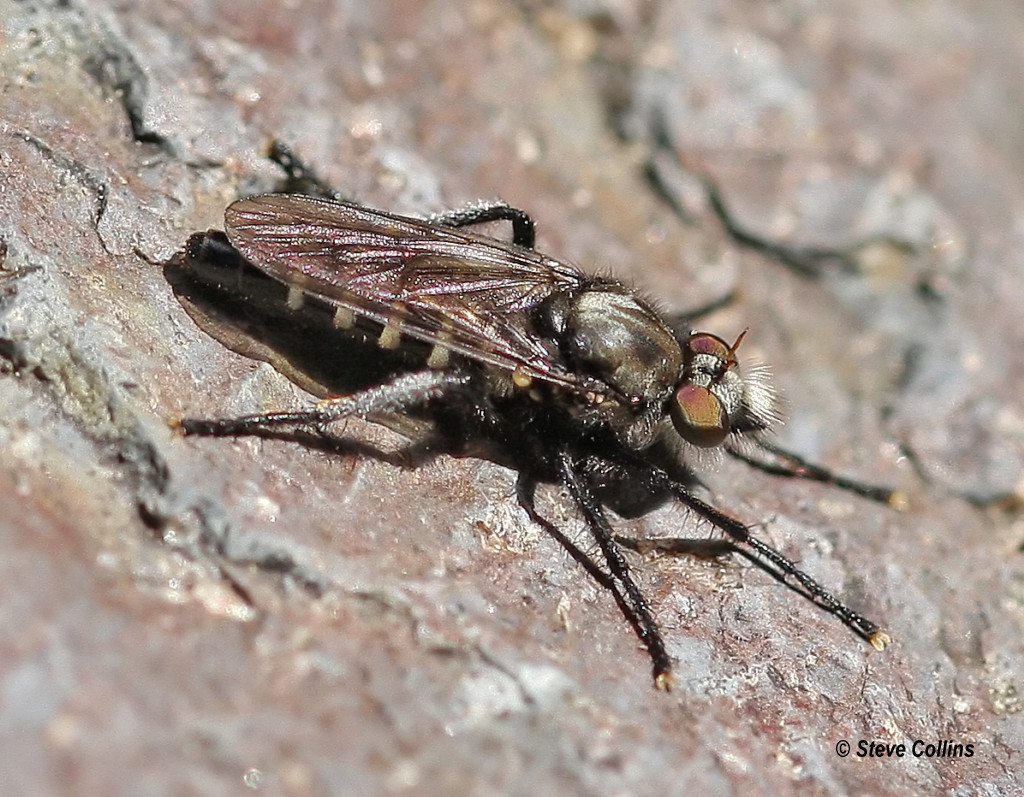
(714,398)
(696,380)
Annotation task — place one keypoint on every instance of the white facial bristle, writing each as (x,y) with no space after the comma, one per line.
(760,395)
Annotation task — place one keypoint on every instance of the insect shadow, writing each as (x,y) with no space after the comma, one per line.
(473,346)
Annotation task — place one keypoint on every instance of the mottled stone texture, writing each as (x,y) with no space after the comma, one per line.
(198,616)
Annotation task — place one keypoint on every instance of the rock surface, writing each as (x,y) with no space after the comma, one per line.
(200,616)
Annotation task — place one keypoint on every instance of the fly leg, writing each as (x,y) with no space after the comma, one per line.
(405,392)
(632,601)
(792,466)
(524,231)
(742,541)
(301,179)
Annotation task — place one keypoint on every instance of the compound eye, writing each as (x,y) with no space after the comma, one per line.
(706,352)
(706,343)
(699,416)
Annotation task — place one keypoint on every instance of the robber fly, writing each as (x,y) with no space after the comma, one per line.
(576,379)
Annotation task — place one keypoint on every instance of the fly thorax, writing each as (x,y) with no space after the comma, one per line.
(617,339)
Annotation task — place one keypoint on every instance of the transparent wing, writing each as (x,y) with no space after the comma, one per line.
(446,286)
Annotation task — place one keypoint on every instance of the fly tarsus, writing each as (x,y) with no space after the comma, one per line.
(855,621)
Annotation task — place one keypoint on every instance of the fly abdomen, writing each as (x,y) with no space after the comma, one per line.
(212,261)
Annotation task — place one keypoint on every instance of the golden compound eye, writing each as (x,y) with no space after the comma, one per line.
(699,416)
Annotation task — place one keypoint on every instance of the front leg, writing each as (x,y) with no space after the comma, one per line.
(793,466)
(740,539)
